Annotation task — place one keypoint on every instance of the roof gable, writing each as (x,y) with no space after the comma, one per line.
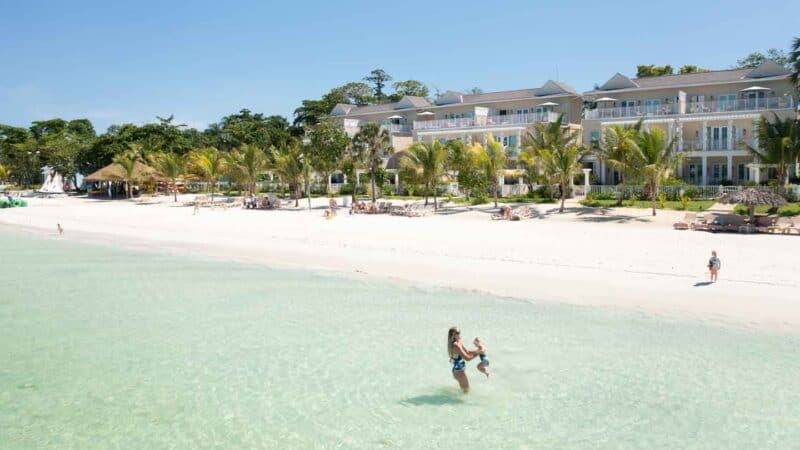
(342,109)
(618,81)
(553,88)
(450,97)
(410,101)
(768,68)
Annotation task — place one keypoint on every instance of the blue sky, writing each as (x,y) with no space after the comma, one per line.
(115,62)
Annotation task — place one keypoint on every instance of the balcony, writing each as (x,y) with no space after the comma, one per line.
(631,111)
(396,127)
(696,145)
(704,107)
(750,104)
(485,122)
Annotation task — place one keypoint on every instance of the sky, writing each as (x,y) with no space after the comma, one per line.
(119,62)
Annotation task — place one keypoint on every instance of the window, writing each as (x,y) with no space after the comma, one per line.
(522,111)
(652,106)
(726,102)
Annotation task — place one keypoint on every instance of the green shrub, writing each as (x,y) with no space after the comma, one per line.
(692,192)
(662,200)
(387,190)
(478,200)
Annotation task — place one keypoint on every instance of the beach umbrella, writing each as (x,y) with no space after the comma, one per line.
(754,88)
(549,104)
(751,198)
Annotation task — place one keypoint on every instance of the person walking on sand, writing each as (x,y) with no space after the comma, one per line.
(459,357)
(714,264)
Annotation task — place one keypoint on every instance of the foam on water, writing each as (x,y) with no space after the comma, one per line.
(106,348)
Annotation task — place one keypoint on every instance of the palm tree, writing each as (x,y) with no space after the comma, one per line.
(209,164)
(794,61)
(655,153)
(526,159)
(778,144)
(172,166)
(428,161)
(618,150)
(246,164)
(560,164)
(289,162)
(545,136)
(128,161)
(375,141)
(492,157)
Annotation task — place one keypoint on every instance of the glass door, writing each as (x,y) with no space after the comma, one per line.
(652,106)
(755,100)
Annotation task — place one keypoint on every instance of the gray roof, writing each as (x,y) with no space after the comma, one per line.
(418,102)
(767,70)
(394,162)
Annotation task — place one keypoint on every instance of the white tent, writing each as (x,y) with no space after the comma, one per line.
(53,181)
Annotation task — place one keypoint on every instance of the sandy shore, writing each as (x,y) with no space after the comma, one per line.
(617,257)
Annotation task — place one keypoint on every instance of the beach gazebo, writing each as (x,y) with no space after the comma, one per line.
(751,198)
(115,173)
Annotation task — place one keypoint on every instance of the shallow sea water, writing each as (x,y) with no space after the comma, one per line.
(104,348)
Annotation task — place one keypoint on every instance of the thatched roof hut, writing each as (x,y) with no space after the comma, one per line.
(115,172)
(752,197)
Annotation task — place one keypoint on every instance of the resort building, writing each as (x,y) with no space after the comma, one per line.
(711,115)
(471,118)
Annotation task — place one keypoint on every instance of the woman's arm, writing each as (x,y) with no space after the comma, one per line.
(466,354)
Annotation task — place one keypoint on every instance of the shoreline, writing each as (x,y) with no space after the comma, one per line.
(425,252)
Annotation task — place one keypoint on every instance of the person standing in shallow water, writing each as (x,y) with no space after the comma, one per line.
(459,357)
(714,264)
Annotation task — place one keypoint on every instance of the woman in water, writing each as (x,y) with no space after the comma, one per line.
(459,357)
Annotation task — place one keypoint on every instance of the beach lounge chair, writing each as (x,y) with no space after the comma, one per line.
(784,225)
(703,222)
(273,201)
(686,223)
(763,224)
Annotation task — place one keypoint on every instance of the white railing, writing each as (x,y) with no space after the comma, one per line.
(704,107)
(396,127)
(632,111)
(495,120)
(754,104)
(696,145)
(704,192)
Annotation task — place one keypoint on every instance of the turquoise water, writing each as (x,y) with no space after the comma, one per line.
(105,348)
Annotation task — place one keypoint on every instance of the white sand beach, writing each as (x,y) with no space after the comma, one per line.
(621,258)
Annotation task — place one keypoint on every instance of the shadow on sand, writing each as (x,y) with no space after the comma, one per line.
(703,283)
(443,397)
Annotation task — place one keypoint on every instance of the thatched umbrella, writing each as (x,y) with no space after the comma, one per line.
(114,172)
(751,198)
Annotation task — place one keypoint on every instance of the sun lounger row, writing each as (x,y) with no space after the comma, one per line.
(736,224)
(371,208)
(412,210)
(507,213)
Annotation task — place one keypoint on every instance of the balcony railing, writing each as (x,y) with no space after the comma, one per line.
(710,106)
(487,121)
(696,145)
(750,104)
(632,111)
(396,127)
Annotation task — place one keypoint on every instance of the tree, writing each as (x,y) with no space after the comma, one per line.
(492,159)
(755,59)
(463,161)
(618,150)
(655,157)
(690,68)
(312,111)
(778,144)
(4,173)
(378,78)
(526,159)
(794,62)
(355,93)
(246,164)
(374,142)
(409,87)
(128,162)
(289,162)
(209,164)
(428,161)
(172,166)
(328,145)
(650,70)
(475,90)
(556,152)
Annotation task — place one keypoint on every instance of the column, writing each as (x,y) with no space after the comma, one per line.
(485,138)
(730,165)
(704,176)
(345,178)
(680,136)
(602,166)
(586,179)
(669,131)
(519,140)
(731,138)
(704,134)
(397,181)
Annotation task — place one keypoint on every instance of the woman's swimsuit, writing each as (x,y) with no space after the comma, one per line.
(458,363)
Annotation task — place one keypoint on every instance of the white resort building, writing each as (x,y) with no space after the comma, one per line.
(711,115)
